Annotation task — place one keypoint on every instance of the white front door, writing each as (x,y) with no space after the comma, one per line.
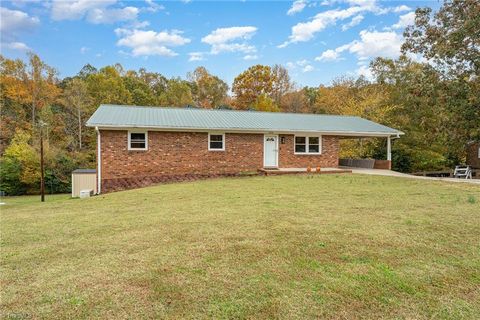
(270,151)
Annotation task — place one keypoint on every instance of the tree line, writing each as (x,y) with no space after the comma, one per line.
(434,101)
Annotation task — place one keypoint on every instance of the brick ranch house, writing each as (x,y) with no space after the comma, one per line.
(138,146)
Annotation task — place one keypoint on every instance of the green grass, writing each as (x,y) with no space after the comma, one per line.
(290,247)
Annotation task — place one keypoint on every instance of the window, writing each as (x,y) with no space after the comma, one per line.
(137,141)
(478,152)
(300,144)
(308,145)
(216,141)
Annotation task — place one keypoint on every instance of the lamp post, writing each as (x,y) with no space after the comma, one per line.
(41,124)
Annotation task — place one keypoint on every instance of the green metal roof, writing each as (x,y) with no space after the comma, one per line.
(191,119)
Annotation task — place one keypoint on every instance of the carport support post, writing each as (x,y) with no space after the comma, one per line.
(389,149)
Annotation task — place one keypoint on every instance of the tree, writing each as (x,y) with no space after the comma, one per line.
(415,89)
(177,94)
(107,86)
(41,82)
(281,83)
(155,81)
(250,84)
(265,103)
(311,94)
(355,97)
(87,70)
(208,90)
(294,101)
(77,100)
(20,166)
(141,93)
(451,37)
(14,98)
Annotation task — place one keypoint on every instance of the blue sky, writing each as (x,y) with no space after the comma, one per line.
(317,40)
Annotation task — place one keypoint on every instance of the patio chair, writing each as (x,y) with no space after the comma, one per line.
(463,172)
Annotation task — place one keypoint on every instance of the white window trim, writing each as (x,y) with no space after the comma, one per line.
(223,141)
(306,153)
(146,140)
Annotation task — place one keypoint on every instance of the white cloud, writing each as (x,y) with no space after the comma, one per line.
(364,70)
(371,44)
(329,55)
(250,57)
(355,21)
(138,24)
(84,50)
(149,42)
(302,65)
(23,3)
(96,11)
(374,44)
(308,68)
(297,6)
(405,20)
(13,22)
(223,35)
(20,46)
(233,39)
(232,47)
(75,10)
(305,31)
(98,16)
(153,6)
(196,56)
(401,8)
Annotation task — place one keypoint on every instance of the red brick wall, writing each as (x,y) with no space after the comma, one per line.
(382,164)
(328,158)
(176,156)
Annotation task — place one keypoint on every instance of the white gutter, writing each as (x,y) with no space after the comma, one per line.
(99,162)
(272,131)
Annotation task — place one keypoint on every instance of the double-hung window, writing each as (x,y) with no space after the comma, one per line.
(216,142)
(308,145)
(137,140)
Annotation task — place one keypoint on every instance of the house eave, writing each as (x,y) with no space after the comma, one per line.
(241,130)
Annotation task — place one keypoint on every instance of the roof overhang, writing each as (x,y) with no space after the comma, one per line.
(346,134)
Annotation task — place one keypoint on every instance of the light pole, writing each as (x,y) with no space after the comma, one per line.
(41,124)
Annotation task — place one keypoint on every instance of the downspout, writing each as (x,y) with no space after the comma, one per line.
(99,162)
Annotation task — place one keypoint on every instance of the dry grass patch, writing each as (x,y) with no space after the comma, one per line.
(289,247)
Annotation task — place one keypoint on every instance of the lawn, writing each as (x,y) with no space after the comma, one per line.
(289,247)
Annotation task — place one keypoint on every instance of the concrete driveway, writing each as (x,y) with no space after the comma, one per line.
(391,173)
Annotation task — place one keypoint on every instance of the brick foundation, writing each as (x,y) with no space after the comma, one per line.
(181,156)
(119,184)
(383,164)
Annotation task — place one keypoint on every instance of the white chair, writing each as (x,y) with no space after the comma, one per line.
(463,172)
